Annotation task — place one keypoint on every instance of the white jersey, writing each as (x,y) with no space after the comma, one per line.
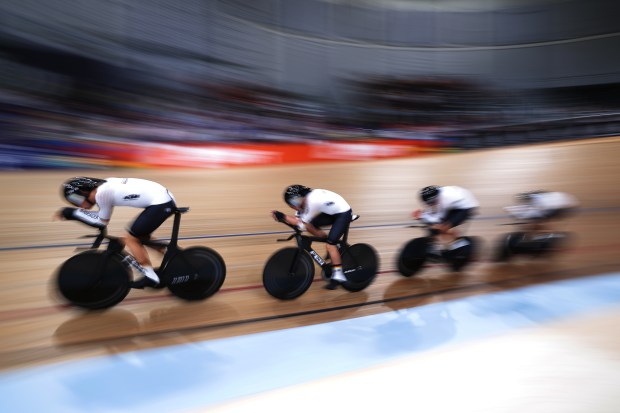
(450,197)
(542,203)
(132,192)
(323,201)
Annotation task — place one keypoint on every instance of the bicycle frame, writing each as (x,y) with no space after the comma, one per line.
(191,274)
(304,243)
(116,246)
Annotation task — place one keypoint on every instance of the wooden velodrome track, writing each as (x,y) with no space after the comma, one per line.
(230,213)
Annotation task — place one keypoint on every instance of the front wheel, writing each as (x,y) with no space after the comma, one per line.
(195,273)
(413,256)
(288,273)
(360,263)
(94,279)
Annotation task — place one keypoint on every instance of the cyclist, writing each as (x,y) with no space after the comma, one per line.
(446,207)
(538,208)
(316,208)
(157,203)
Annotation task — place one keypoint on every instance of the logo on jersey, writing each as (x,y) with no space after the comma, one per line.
(131,197)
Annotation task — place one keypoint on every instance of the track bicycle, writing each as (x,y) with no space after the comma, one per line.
(100,278)
(416,252)
(289,272)
(529,243)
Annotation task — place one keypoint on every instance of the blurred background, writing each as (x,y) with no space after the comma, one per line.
(283,85)
(208,83)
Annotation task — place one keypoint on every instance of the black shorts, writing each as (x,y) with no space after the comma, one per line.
(339,224)
(456,217)
(150,219)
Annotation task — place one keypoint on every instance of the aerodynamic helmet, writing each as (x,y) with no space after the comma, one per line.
(293,194)
(429,194)
(75,190)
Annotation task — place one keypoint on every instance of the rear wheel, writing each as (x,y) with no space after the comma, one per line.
(94,279)
(195,273)
(288,273)
(360,263)
(543,244)
(558,241)
(461,254)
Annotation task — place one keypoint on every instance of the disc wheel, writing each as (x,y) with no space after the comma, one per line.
(360,263)
(283,281)
(413,256)
(195,273)
(459,257)
(557,242)
(502,251)
(512,244)
(94,279)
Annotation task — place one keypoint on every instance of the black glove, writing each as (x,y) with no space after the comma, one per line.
(67,213)
(279,216)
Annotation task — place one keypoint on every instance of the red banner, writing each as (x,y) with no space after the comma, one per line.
(148,154)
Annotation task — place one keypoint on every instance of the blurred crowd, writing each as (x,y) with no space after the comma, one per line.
(463,110)
(462,113)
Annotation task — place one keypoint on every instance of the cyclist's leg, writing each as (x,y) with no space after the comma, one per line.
(454,219)
(143,226)
(340,224)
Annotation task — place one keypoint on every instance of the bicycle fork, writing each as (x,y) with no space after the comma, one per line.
(313,254)
(317,258)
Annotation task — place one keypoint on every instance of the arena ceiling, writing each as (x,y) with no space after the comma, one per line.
(451,5)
